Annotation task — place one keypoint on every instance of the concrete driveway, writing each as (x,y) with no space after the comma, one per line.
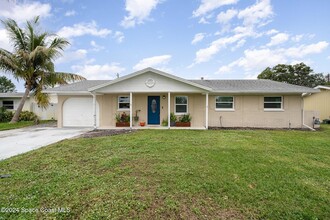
(17,141)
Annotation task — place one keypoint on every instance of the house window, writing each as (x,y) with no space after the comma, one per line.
(273,102)
(224,102)
(8,104)
(123,102)
(181,104)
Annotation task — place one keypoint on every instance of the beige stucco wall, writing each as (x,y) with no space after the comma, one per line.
(31,105)
(319,102)
(108,104)
(109,107)
(249,112)
(26,107)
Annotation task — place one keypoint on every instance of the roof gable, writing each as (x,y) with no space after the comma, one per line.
(149,79)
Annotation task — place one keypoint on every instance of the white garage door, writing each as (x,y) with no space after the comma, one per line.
(78,112)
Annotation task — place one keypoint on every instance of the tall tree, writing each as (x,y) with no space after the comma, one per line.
(298,74)
(6,85)
(32,60)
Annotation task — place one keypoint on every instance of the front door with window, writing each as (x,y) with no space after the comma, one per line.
(153,110)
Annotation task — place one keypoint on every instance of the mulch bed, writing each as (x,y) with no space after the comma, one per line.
(252,128)
(107,132)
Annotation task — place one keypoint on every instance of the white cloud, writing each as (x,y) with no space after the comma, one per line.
(21,12)
(278,39)
(297,38)
(155,61)
(328,57)
(119,36)
(95,46)
(259,13)
(197,38)
(106,71)
(238,45)
(304,50)
(224,69)
(225,17)
(252,17)
(70,56)
(205,54)
(272,31)
(138,11)
(207,6)
(81,29)
(4,40)
(70,13)
(258,59)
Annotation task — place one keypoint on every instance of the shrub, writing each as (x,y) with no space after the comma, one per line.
(5,115)
(164,122)
(27,116)
(173,117)
(122,117)
(185,118)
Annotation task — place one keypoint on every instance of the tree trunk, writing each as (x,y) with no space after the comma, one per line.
(20,106)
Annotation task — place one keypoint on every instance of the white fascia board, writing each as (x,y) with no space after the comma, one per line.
(254,92)
(67,92)
(322,87)
(149,69)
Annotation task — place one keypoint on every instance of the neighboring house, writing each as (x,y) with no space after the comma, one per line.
(319,101)
(11,101)
(155,94)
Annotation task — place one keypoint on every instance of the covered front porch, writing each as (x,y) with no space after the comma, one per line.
(154,110)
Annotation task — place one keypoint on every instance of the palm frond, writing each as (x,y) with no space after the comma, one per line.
(33,58)
(7,61)
(16,34)
(69,77)
(41,98)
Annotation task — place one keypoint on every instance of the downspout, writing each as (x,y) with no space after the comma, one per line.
(303,115)
(94,110)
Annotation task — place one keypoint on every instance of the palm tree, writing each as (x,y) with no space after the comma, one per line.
(32,61)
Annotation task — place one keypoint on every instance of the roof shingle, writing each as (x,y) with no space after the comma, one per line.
(224,86)
(253,86)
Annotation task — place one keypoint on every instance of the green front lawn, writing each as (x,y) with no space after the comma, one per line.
(20,124)
(173,174)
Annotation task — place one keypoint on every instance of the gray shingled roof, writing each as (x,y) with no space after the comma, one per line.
(251,86)
(81,86)
(225,86)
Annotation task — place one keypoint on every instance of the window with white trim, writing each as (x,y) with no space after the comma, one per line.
(224,102)
(181,104)
(8,104)
(273,103)
(123,102)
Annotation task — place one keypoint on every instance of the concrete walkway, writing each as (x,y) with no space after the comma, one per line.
(17,141)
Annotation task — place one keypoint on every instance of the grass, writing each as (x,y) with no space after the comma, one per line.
(174,174)
(21,124)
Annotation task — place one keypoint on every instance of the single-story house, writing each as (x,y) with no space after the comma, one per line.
(11,100)
(153,94)
(319,101)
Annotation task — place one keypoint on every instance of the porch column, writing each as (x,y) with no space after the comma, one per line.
(207,111)
(130,110)
(94,110)
(169,110)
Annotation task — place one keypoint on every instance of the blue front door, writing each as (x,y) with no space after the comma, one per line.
(153,110)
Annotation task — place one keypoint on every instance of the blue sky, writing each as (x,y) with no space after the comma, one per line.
(222,39)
